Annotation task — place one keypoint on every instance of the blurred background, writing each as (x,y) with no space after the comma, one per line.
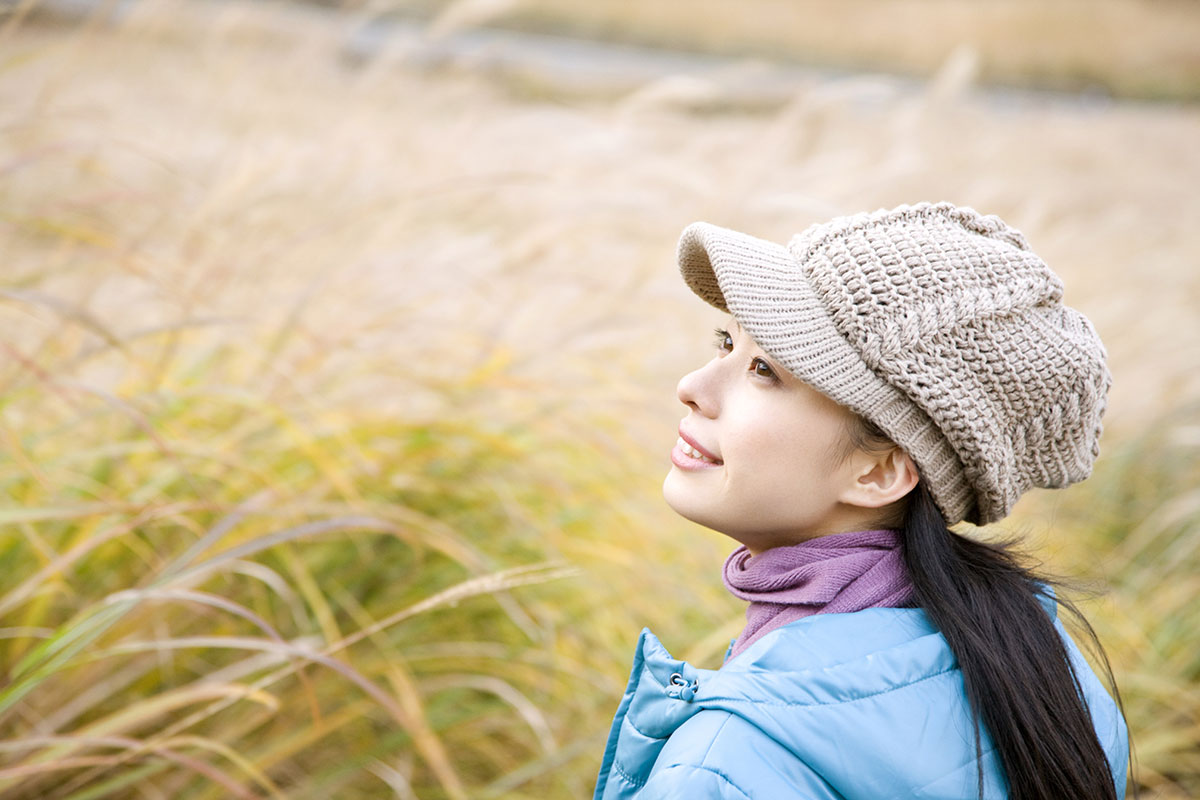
(339,342)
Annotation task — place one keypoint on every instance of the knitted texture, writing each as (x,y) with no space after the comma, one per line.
(834,574)
(936,323)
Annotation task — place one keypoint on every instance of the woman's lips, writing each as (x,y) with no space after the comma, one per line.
(696,445)
(684,460)
(688,455)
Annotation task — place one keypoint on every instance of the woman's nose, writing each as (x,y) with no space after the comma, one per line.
(695,390)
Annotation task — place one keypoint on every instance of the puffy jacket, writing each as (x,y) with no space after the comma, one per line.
(830,707)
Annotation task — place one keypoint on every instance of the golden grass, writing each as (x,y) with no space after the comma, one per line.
(336,396)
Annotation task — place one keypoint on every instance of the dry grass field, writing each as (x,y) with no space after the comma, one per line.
(336,394)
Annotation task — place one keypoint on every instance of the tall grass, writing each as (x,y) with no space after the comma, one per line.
(213,592)
(335,396)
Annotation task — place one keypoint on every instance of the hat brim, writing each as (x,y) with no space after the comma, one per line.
(764,287)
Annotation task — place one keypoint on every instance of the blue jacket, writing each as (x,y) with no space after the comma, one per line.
(830,707)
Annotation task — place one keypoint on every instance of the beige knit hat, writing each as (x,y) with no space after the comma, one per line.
(936,323)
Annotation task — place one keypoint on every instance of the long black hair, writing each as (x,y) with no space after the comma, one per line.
(1018,677)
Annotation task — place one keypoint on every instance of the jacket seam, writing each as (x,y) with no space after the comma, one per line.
(716,772)
(616,767)
(713,739)
(629,779)
(640,732)
(755,701)
(973,762)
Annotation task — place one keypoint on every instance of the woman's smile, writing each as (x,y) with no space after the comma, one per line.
(685,456)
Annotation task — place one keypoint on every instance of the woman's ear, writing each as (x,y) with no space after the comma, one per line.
(881,478)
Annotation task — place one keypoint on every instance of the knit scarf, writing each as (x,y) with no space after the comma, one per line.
(838,573)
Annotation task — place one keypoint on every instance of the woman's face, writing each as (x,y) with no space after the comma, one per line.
(775,478)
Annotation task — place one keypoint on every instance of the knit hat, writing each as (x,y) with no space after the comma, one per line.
(934,322)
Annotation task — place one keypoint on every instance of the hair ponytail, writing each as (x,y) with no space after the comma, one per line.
(1016,671)
(1015,667)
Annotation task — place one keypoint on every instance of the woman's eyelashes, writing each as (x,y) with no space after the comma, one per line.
(759,366)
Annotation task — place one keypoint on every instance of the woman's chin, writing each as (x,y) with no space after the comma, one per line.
(685,500)
(677,496)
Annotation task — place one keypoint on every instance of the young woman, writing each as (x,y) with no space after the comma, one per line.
(881,378)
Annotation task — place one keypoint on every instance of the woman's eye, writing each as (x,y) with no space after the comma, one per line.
(762,368)
(724,341)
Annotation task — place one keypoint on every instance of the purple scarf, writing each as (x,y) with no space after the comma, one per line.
(831,574)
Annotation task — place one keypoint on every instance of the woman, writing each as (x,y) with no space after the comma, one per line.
(884,376)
